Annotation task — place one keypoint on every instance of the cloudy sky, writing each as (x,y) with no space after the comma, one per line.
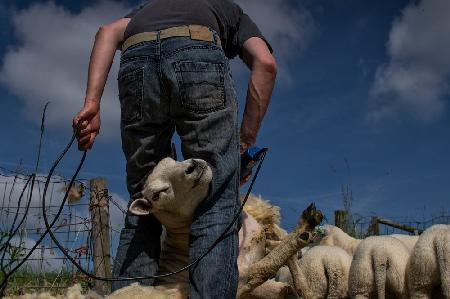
(362,99)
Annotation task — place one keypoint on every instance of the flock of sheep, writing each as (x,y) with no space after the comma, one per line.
(394,266)
(334,265)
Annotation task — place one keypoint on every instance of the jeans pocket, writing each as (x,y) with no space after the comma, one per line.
(131,93)
(201,85)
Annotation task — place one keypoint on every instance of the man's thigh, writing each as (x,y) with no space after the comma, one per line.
(204,108)
(146,132)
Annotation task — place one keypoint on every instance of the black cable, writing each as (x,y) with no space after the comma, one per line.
(5,279)
(33,176)
(13,231)
(79,267)
(74,262)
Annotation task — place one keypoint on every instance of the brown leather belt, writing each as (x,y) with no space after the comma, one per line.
(195,32)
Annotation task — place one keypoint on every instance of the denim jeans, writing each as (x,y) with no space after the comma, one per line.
(184,85)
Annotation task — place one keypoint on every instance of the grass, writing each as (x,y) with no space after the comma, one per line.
(52,282)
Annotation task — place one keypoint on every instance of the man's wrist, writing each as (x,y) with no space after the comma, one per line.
(243,146)
(92,102)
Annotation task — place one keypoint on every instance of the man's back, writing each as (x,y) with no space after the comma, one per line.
(223,16)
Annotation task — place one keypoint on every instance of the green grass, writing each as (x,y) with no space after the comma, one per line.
(52,282)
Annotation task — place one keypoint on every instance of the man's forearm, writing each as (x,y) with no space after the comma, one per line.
(106,42)
(260,88)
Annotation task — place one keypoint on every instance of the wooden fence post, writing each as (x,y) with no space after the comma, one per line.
(340,219)
(374,227)
(99,209)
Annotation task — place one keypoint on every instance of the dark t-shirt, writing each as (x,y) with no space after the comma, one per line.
(223,16)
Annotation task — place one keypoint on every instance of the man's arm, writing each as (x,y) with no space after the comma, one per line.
(107,41)
(263,68)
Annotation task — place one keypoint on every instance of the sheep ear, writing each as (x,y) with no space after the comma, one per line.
(140,207)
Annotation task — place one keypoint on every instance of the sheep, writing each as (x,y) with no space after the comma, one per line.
(322,273)
(378,268)
(334,236)
(136,291)
(266,215)
(429,264)
(161,196)
(164,196)
(407,240)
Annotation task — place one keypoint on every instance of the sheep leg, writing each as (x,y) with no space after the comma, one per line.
(334,283)
(270,290)
(443,257)
(271,244)
(420,295)
(297,277)
(266,268)
(380,277)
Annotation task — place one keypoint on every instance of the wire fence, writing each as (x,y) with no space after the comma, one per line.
(47,268)
(22,224)
(360,226)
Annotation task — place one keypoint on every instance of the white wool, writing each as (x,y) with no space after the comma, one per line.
(407,240)
(74,292)
(167,194)
(251,242)
(429,264)
(136,291)
(265,214)
(378,267)
(334,236)
(323,273)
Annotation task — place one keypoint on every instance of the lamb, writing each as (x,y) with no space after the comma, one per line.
(429,264)
(378,268)
(267,215)
(162,197)
(334,236)
(407,240)
(322,272)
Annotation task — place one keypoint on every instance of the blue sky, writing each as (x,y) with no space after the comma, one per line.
(361,99)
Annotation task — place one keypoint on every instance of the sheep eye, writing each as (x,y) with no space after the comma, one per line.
(190,169)
(155,196)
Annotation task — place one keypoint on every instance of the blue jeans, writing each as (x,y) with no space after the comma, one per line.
(184,85)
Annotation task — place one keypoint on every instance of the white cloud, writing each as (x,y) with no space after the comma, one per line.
(50,62)
(287,26)
(51,59)
(416,80)
(42,259)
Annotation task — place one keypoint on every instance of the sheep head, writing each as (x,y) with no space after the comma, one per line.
(174,187)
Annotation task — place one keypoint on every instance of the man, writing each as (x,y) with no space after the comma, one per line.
(175,75)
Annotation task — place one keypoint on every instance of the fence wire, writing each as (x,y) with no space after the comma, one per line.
(47,267)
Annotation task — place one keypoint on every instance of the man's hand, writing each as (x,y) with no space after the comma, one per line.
(87,125)
(87,122)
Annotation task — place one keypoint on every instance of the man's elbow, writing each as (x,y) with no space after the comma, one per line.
(268,64)
(105,30)
(114,29)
